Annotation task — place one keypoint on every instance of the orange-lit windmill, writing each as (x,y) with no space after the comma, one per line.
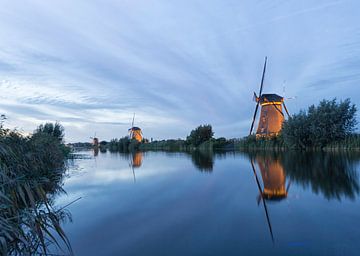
(271,114)
(135,132)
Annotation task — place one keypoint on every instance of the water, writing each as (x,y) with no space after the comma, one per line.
(159,203)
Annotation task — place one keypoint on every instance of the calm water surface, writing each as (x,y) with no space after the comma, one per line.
(158,203)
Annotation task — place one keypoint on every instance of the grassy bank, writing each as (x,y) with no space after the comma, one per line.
(31,173)
(250,143)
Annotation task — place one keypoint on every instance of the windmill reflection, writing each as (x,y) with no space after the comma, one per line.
(135,162)
(274,180)
(96,151)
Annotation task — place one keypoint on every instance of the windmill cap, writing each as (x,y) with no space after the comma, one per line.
(264,98)
(134,129)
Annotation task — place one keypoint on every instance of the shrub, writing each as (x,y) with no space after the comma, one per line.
(320,125)
(199,135)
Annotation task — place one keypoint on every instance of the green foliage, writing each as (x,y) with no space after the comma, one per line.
(323,124)
(119,145)
(56,130)
(199,135)
(166,145)
(253,143)
(221,143)
(31,172)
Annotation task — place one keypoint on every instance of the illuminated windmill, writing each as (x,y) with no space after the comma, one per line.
(271,114)
(135,132)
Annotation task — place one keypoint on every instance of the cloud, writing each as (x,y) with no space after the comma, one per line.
(91,65)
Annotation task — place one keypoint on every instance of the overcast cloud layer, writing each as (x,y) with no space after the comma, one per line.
(177,64)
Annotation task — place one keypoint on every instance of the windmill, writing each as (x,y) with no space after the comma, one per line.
(135,132)
(271,116)
(95,140)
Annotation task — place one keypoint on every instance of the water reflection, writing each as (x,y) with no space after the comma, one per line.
(331,174)
(206,208)
(203,160)
(261,198)
(273,177)
(96,151)
(137,158)
(136,161)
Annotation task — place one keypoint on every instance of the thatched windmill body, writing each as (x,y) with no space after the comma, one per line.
(271,113)
(135,132)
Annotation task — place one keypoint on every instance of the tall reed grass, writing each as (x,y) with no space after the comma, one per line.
(31,173)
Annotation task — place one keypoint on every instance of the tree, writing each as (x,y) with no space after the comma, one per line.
(328,122)
(199,135)
(56,130)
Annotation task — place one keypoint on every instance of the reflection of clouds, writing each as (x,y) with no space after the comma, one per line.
(195,64)
(101,176)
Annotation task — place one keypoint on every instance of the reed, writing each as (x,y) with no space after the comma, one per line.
(31,173)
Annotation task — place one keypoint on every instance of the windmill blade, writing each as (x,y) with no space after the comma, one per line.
(254,117)
(287,112)
(288,187)
(255,97)
(262,78)
(260,92)
(132,124)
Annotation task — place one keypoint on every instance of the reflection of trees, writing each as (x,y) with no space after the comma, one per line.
(203,160)
(332,174)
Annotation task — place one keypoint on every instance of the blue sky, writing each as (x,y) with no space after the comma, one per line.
(177,64)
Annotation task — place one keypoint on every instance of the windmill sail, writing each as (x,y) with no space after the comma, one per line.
(257,104)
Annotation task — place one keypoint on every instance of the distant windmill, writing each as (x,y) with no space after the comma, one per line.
(271,116)
(135,132)
(95,140)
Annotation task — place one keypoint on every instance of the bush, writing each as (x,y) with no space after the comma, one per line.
(31,172)
(201,134)
(119,145)
(320,125)
(56,130)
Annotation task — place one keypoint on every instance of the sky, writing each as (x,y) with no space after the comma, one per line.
(177,64)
